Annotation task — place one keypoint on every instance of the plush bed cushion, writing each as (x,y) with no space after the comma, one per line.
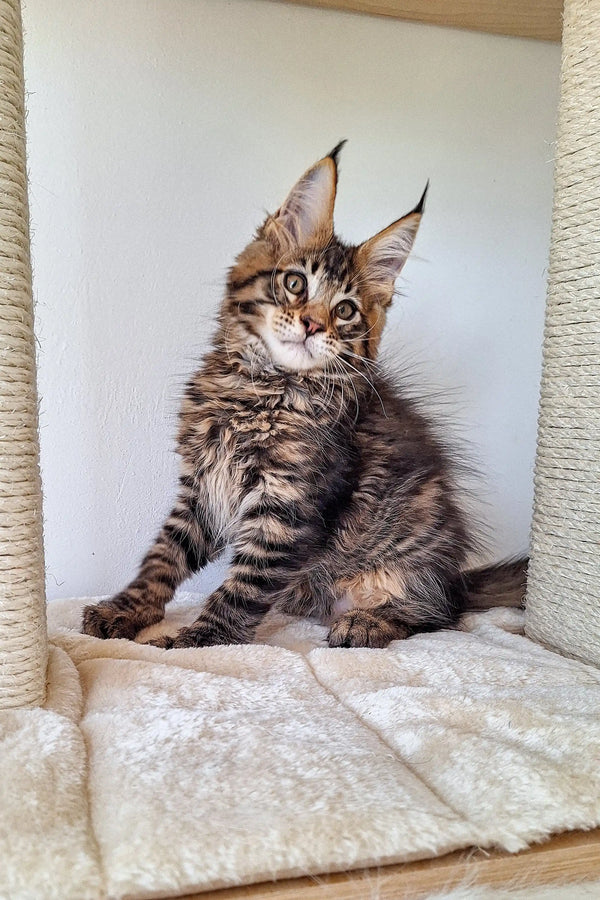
(152,772)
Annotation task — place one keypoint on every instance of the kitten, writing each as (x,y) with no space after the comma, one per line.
(333,490)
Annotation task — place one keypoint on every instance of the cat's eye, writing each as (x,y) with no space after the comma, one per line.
(295,283)
(345,310)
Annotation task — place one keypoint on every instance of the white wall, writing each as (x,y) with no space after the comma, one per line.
(159,131)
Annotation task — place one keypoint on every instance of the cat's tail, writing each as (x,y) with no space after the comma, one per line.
(501,584)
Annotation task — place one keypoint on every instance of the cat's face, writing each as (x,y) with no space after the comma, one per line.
(301,300)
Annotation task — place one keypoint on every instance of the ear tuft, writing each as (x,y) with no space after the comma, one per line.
(420,207)
(334,154)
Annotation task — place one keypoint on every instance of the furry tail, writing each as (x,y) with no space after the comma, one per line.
(502,584)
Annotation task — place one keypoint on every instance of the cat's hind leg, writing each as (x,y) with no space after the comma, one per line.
(385,605)
(375,627)
(367,613)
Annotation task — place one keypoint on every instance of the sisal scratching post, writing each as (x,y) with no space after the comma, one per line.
(563,596)
(23,642)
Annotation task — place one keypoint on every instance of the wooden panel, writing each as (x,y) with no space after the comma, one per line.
(568,858)
(541,19)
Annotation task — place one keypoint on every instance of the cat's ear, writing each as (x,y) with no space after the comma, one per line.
(306,217)
(382,257)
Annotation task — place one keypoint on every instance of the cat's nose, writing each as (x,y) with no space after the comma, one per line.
(311,325)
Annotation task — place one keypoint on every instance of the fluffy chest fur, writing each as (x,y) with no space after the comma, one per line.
(245,439)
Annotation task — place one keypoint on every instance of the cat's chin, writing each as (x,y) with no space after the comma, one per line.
(293,356)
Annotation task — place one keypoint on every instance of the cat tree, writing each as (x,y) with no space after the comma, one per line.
(563,597)
(23,642)
(563,602)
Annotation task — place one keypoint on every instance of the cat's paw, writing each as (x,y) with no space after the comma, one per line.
(363,628)
(118,618)
(204,632)
(165,642)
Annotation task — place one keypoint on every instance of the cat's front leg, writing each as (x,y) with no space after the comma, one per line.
(227,618)
(183,546)
(269,551)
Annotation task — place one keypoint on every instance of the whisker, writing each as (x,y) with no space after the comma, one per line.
(370,383)
(368,363)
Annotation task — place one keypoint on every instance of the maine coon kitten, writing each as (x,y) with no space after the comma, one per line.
(331,487)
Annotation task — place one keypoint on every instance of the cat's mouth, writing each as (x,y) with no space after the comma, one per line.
(296,354)
(300,343)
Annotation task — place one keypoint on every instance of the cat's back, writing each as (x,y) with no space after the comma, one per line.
(398,438)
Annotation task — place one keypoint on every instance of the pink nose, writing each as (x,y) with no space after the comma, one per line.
(311,325)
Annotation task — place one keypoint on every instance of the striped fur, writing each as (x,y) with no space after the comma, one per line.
(331,487)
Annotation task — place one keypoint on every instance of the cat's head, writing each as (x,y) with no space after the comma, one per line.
(301,300)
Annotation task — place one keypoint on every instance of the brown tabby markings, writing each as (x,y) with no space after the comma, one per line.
(332,489)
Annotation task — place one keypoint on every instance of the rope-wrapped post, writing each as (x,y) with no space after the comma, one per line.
(23,640)
(563,596)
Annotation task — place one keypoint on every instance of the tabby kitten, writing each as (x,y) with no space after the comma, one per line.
(332,489)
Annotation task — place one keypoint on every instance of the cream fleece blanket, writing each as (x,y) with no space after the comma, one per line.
(153,773)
